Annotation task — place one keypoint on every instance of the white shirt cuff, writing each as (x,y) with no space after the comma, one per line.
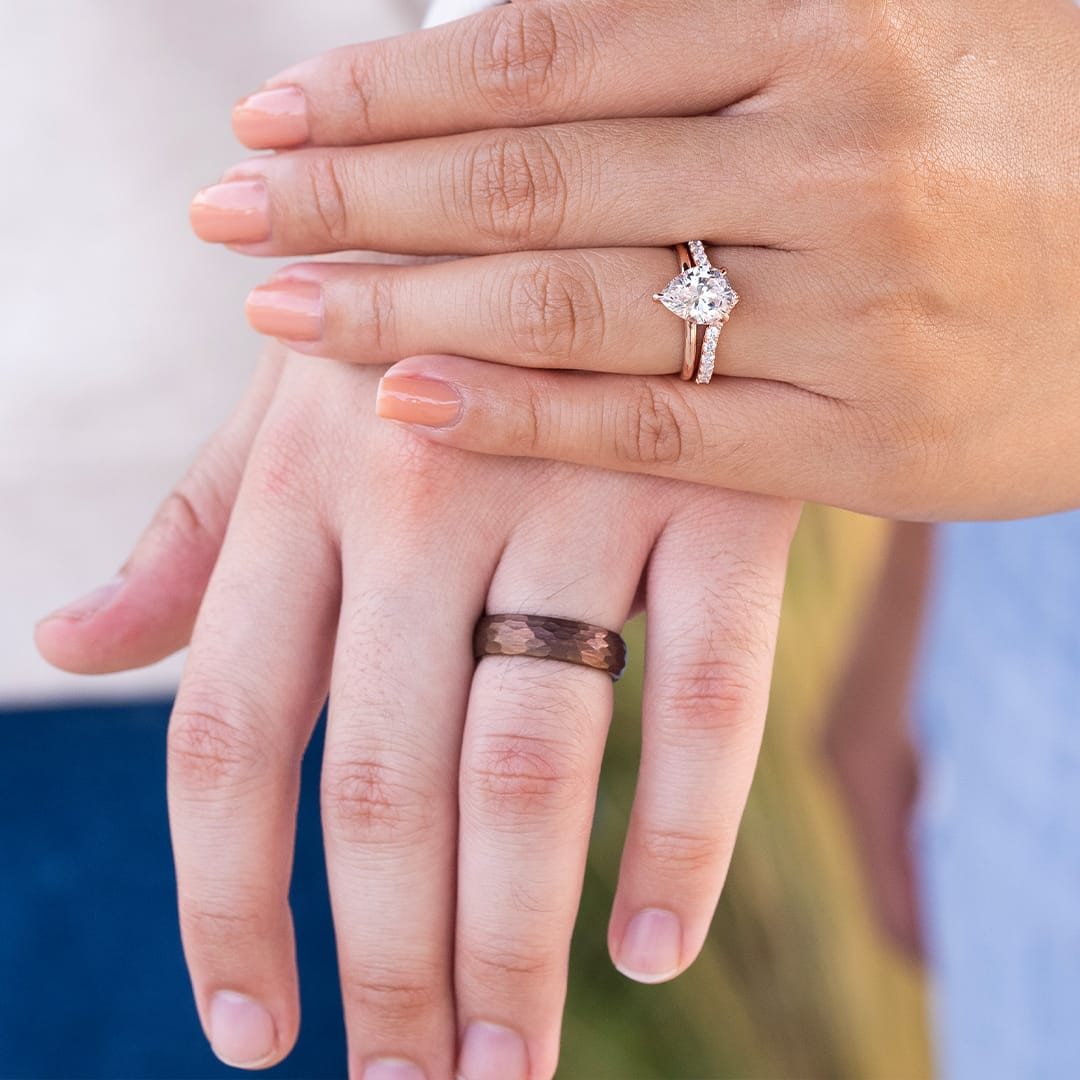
(444,11)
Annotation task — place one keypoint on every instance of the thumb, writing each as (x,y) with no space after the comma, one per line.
(146,612)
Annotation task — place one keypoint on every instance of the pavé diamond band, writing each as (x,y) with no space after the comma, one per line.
(701,296)
(547,638)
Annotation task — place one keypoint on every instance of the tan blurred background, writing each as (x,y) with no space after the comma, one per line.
(796,982)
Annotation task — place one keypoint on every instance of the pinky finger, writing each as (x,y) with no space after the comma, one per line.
(715,584)
(749,434)
(147,611)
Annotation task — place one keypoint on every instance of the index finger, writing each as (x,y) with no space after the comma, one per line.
(517,65)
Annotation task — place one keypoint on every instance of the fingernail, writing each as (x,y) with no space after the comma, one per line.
(426,402)
(490,1052)
(393,1069)
(287,309)
(271,118)
(91,603)
(236,212)
(241,1030)
(651,947)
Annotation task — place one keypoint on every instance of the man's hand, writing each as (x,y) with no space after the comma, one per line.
(340,554)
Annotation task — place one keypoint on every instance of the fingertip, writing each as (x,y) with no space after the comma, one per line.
(274,118)
(243,1032)
(67,638)
(418,400)
(235,212)
(290,309)
(649,948)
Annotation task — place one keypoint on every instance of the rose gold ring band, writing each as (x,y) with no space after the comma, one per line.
(690,349)
(547,638)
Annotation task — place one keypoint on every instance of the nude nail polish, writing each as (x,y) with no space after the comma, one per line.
(235,212)
(426,402)
(272,118)
(290,309)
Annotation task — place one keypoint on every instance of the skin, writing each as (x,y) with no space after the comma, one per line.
(314,548)
(894,188)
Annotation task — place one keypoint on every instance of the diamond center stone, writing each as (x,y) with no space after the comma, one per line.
(701,294)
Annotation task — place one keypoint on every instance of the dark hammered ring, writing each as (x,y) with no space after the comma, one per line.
(548,638)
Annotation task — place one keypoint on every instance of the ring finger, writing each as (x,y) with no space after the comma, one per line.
(585,310)
(531,753)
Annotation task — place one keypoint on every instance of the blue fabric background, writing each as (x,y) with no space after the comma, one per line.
(1000,821)
(92,979)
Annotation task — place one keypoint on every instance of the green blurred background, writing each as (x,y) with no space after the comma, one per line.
(795,982)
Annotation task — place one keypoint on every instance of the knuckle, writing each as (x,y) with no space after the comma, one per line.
(649,429)
(532,424)
(511,777)
(499,964)
(370,800)
(717,683)
(712,698)
(555,311)
(187,514)
(523,61)
(416,470)
(906,322)
(395,999)
(515,189)
(212,741)
(223,929)
(287,449)
(533,419)
(362,82)
(680,853)
(378,314)
(328,187)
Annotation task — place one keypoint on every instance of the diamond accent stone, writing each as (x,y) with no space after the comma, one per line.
(708,354)
(702,294)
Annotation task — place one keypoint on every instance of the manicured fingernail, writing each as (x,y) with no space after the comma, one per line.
(271,118)
(651,947)
(490,1052)
(426,402)
(289,309)
(393,1069)
(91,603)
(236,212)
(241,1030)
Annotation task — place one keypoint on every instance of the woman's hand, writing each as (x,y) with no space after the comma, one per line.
(350,556)
(894,188)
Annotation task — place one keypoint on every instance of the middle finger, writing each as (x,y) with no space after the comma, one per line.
(594,184)
(402,669)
